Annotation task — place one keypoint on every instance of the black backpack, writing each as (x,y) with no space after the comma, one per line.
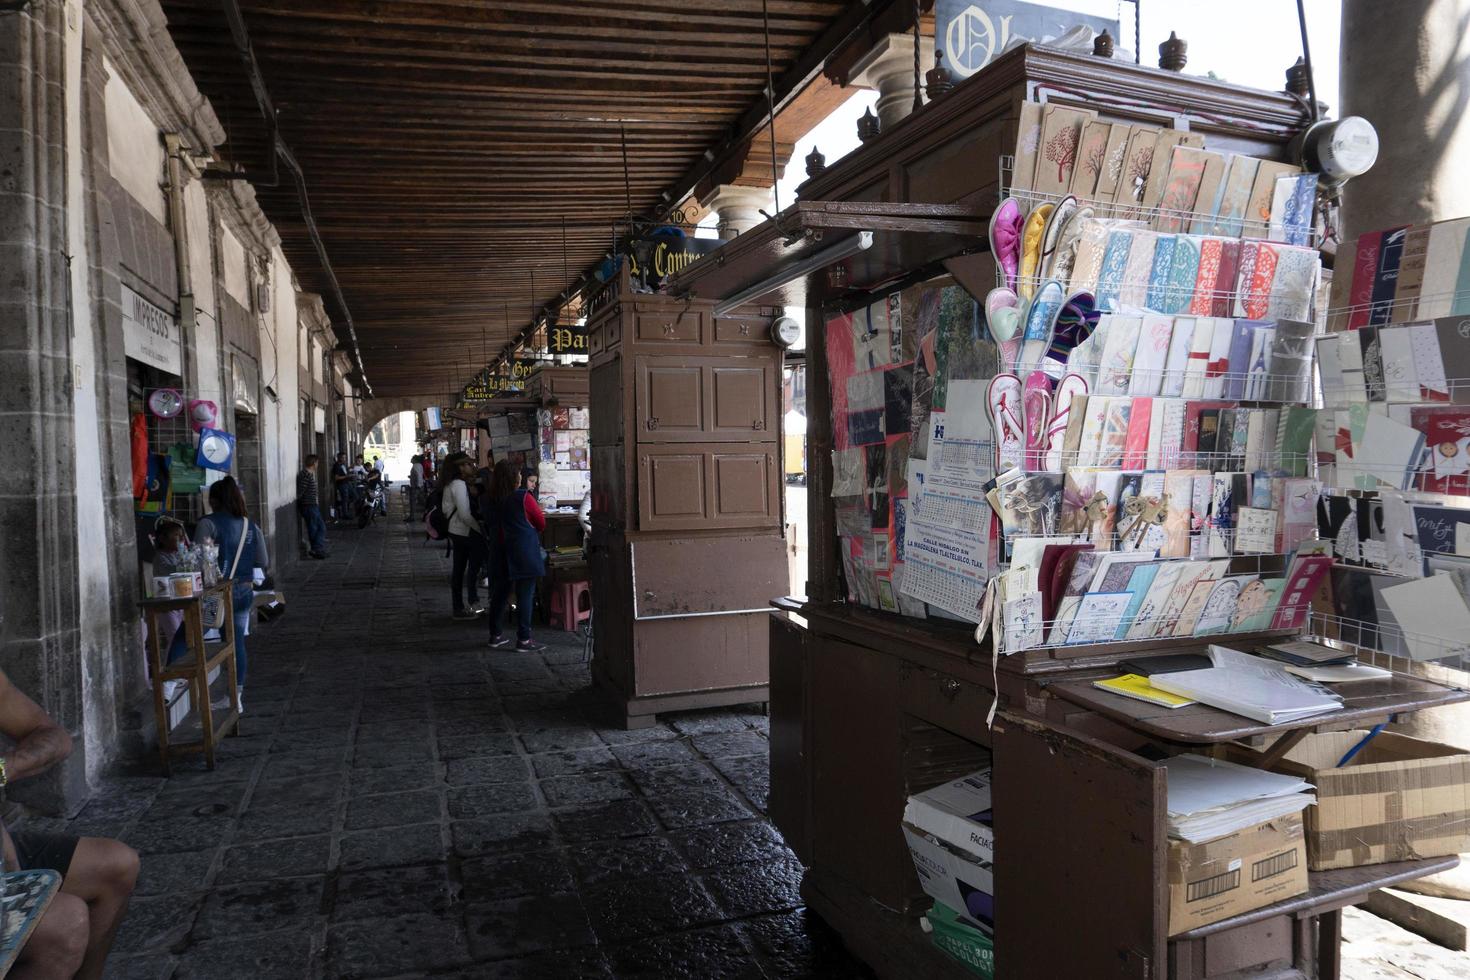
(436,525)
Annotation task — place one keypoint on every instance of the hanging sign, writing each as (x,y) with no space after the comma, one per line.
(567,339)
(245,384)
(507,379)
(150,334)
(972,33)
(660,255)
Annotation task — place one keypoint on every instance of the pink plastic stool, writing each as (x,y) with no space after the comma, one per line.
(571,605)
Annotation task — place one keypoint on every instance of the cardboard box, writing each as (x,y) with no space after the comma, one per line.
(1237,873)
(957,813)
(1398,799)
(952,933)
(953,878)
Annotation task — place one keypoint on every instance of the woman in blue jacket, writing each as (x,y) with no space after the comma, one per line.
(513,526)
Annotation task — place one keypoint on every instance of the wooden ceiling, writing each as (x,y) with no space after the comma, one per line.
(445,142)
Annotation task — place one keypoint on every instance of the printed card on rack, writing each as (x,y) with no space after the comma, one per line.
(1143,619)
(1428,363)
(1139,266)
(1257,603)
(1194,607)
(1236,194)
(1113,163)
(1199,513)
(1176,361)
(1168,140)
(1138,160)
(1182,186)
(1219,610)
(1258,208)
(1303,579)
(1114,440)
(1454,349)
(1211,190)
(1159,409)
(1411,274)
(1207,273)
(1446,267)
(1135,443)
(1028,143)
(1098,617)
(1150,355)
(1115,369)
(1255,531)
(1061,129)
(1092,152)
(1400,379)
(1217,365)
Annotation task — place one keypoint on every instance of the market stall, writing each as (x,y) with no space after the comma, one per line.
(686,543)
(1032,469)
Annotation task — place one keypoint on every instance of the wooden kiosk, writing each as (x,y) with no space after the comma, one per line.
(687,544)
(868,707)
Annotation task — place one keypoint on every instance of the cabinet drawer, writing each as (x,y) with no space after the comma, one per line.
(946,701)
(686,487)
(674,327)
(741,330)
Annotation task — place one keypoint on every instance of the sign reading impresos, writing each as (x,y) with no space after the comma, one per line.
(150,334)
(972,33)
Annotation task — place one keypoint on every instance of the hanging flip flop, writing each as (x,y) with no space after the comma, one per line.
(1064,257)
(1051,233)
(1070,388)
(1041,321)
(1075,323)
(1036,407)
(1005,239)
(1026,281)
(1003,398)
(1003,317)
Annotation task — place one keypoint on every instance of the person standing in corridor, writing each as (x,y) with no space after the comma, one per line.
(308,507)
(465,536)
(513,526)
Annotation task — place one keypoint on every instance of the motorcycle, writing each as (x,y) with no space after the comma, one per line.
(372,498)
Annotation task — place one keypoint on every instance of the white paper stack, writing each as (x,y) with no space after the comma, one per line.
(1249,686)
(1209,798)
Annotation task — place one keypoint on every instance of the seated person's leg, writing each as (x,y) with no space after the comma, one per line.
(102,874)
(58,944)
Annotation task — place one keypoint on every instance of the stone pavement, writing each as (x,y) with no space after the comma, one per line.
(404,802)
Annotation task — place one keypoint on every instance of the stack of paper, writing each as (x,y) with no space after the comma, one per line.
(1249,686)
(1209,798)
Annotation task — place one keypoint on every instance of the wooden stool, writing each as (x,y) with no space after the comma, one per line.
(194,667)
(567,609)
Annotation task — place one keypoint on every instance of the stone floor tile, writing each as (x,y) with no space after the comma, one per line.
(573,761)
(288,858)
(718,952)
(486,769)
(604,821)
(393,846)
(733,744)
(286,957)
(560,741)
(583,963)
(692,807)
(503,832)
(173,874)
(587,788)
(392,779)
(284,905)
(626,909)
(517,926)
(648,755)
(154,924)
(756,888)
(157,966)
(629,857)
(676,779)
(721,844)
(514,874)
(471,746)
(706,722)
(394,809)
(383,893)
(471,802)
(412,943)
(258,825)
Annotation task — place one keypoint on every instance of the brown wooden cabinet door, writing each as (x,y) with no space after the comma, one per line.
(678,326)
(706,399)
(672,494)
(791,791)
(1080,849)
(684,487)
(605,403)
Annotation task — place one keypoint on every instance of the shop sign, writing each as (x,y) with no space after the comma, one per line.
(245,384)
(508,379)
(653,259)
(567,339)
(971,33)
(318,419)
(151,334)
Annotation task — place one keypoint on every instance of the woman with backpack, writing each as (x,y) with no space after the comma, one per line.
(465,536)
(242,561)
(513,526)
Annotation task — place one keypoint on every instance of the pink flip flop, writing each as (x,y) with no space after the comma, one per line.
(1005,239)
(1072,386)
(1007,426)
(1036,405)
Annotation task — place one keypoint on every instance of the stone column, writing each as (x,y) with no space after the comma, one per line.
(1406,69)
(39,595)
(738,207)
(889,68)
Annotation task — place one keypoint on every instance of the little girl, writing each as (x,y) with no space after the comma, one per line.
(170,555)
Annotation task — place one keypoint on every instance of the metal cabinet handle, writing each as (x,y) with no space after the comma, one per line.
(651,424)
(648,595)
(758,424)
(668,329)
(950,687)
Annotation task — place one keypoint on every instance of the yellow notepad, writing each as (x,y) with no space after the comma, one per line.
(1137,686)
